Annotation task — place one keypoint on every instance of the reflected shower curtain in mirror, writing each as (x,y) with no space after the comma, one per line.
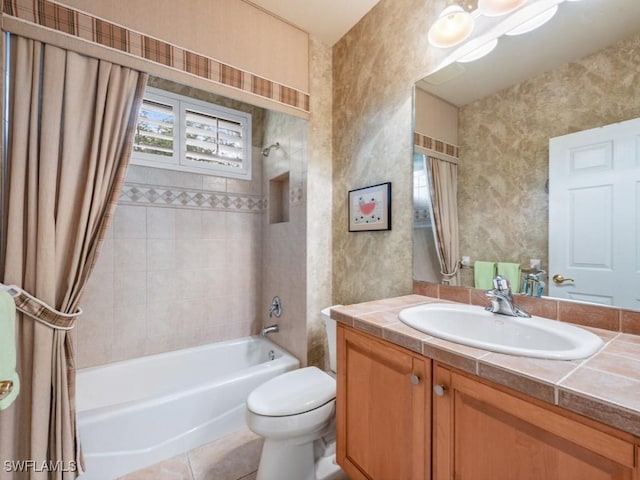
(71,125)
(443,179)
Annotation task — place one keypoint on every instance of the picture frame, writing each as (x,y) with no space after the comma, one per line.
(369,208)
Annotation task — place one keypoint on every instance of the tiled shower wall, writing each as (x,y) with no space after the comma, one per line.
(181,266)
(285,240)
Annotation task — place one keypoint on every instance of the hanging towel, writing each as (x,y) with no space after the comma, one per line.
(512,272)
(483,273)
(8,347)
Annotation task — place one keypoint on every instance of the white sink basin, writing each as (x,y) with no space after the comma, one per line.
(528,337)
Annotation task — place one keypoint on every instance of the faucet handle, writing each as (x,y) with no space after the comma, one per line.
(276,307)
(501,284)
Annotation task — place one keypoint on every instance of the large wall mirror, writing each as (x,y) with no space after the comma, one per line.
(578,72)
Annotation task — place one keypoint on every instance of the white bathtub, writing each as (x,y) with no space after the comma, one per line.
(135,413)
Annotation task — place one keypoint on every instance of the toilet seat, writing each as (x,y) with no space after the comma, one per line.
(300,428)
(292,393)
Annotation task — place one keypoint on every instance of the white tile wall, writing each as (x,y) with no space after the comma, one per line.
(171,277)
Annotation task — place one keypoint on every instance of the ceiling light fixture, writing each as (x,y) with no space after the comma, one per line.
(496,8)
(453,26)
(481,23)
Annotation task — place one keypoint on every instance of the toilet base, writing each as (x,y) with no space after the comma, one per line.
(285,460)
(327,469)
(290,461)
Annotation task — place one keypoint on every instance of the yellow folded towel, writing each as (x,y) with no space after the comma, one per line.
(512,272)
(483,273)
(8,347)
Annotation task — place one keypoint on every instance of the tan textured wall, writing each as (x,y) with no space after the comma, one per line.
(374,70)
(503,206)
(318,187)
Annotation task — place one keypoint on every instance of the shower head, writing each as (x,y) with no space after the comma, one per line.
(266,151)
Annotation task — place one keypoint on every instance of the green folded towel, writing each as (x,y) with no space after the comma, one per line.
(8,347)
(483,273)
(512,272)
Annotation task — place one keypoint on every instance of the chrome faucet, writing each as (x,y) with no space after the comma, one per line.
(270,329)
(501,301)
(276,307)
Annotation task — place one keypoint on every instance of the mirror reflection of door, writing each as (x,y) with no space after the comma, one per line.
(594,215)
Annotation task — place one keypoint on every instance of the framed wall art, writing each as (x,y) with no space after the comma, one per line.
(370,208)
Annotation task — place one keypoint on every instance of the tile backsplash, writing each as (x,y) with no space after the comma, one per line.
(588,315)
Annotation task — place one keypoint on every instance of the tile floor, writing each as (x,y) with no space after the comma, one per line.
(234,457)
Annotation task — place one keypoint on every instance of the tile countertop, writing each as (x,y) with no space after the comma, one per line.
(604,387)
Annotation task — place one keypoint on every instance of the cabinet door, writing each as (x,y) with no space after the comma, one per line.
(481,432)
(383,400)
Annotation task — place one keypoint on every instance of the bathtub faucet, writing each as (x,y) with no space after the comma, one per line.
(276,307)
(270,329)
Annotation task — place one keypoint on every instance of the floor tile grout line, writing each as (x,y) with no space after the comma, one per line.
(191,474)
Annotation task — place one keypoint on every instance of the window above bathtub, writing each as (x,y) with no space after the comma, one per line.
(176,132)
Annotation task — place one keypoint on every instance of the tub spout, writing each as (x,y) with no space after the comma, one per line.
(270,329)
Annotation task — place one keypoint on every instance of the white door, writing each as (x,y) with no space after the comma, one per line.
(594,215)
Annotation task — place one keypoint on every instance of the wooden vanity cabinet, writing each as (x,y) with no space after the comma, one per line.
(395,422)
(483,432)
(383,409)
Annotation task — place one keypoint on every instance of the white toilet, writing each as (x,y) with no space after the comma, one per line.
(295,413)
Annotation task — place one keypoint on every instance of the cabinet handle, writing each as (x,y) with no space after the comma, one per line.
(439,390)
(415,379)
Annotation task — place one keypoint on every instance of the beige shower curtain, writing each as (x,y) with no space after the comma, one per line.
(444,201)
(71,124)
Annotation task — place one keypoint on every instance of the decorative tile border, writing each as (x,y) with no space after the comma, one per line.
(138,194)
(73,22)
(424,141)
(296,195)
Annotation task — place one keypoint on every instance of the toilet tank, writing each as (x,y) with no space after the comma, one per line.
(330,326)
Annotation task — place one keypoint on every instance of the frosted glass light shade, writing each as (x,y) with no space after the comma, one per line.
(495,8)
(452,27)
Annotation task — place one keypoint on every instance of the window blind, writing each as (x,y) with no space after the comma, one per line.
(181,133)
(155,129)
(210,139)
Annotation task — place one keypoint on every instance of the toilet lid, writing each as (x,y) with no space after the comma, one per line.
(292,393)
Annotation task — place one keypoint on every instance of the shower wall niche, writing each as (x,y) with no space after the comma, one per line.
(279,199)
